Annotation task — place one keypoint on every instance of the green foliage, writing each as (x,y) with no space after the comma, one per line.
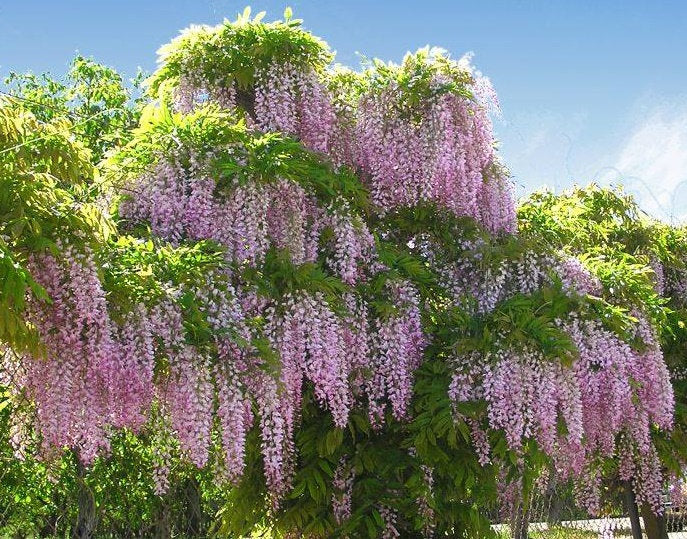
(278,276)
(271,156)
(161,132)
(608,232)
(415,77)
(413,82)
(622,246)
(43,499)
(234,51)
(524,322)
(45,196)
(102,107)
(52,132)
(604,216)
(239,155)
(140,271)
(464,489)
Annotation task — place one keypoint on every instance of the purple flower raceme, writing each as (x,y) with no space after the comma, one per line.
(77,387)
(344,476)
(398,345)
(610,392)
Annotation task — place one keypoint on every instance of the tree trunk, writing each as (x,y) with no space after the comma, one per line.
(49,528)
(654,525)
(86,519)
(163,527)
(193,514)
(631,506)
(520,524)
(520,520)
(556,503)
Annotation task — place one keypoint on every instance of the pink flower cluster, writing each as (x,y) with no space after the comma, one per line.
(424,503)
(474,282)
(188,396)
(192,91)
(441,153)
(444,156)
(428,158)
(611,392)
(276,444)
(182,205)
(297,103)
(389,518)
(674,281)
(98,375)
(342,482)
(135,377)
(354,246)
(93,376)
(620,389)
(398,344)
(235,417)
(576,278)
(524,394)
(309,339)
(316,346)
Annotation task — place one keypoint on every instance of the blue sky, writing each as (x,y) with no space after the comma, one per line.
(589,90)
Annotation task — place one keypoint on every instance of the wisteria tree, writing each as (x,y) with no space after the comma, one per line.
(316,291)
(640,261)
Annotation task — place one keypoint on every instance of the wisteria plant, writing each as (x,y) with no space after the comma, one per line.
(317,293)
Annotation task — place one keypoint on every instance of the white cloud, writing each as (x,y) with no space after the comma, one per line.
(537,145)
(645,151)
(652,161)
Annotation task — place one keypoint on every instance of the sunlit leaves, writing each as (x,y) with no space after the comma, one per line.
(416,75)
(46,195)
(94,97)
(230,53)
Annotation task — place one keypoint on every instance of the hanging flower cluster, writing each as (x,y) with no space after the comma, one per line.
(674,281)
(480,284)
(441,151)
(182,204)
(309,340)
(397,349)
(442,156)
(295,102)
(343,486)
(94,375)
(189,395)
(354,246)
(610,391)
(345,357)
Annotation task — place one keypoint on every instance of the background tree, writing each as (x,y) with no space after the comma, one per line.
(640,261)
(103,107)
